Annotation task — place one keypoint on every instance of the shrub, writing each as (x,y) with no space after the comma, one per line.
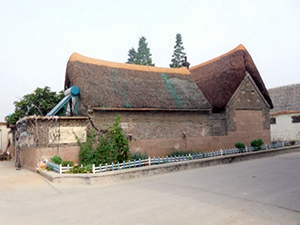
(86,149)
(292,142)
(180,152)
(110,148)
(66,163)
(139,155)
(240,145)
(77,169)
(89,168)
(257,143)
(56,159)
(119,143)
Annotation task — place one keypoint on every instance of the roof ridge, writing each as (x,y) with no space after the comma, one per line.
(238,48)
(78,57)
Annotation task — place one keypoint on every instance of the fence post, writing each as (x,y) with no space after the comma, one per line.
(60,169)
(149,161)
(68,167)
(282,144)
(124,167)
(100,168)
(112,167)
(93,168)
(140,163)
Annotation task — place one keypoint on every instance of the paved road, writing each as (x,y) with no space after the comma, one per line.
(262,191)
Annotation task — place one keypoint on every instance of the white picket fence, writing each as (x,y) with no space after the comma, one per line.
(161,160)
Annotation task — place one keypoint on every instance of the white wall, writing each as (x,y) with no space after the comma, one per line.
(284,129)
(3,137)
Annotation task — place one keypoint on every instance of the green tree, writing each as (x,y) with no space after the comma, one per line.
(142,56)
(118,141)
(39,102)
(178,55)
(111,147)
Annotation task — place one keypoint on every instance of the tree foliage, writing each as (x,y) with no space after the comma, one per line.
(39,102)
(178,55)
(142,56)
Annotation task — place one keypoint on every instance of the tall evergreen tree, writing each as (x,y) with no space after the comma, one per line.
(142,56)
(178,55)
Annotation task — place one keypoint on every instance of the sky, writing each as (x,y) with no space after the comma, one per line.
(37,37)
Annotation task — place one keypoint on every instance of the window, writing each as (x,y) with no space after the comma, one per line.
(272,120)
(295,119)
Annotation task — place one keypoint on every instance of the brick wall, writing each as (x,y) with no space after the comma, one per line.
(37,142)
(161,132)
(30,157)
(248,115)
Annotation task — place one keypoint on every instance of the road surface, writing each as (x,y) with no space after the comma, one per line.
(262,191)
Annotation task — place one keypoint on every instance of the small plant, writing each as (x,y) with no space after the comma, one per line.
(257,143)
(292,142)
(66,163)
(78,169)
(139,155)
(49,168)
(241,146)
(89,168)
(180,152)
(56,159)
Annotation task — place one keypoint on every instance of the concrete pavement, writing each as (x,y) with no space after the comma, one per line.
(260,191)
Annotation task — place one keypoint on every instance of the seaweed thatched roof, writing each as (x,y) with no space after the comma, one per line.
(219,78)
(285,98)
(108,85)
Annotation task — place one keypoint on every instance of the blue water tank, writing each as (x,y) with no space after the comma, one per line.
(75,90)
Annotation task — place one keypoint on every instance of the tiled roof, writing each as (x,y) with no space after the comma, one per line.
(285,98)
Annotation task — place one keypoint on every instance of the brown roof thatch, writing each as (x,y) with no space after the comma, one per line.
(109,85)
(219,78)
(285,98)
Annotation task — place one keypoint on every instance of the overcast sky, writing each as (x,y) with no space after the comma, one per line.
(38,37)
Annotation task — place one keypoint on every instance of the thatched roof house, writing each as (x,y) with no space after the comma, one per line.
(219,78)
(107,85)
(212,105)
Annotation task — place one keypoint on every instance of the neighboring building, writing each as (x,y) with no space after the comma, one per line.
(4,136)
(211,106)
(285,116)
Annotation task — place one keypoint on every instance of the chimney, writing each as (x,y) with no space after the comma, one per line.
(186,63)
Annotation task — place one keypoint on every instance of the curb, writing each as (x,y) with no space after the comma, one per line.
(127,174)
